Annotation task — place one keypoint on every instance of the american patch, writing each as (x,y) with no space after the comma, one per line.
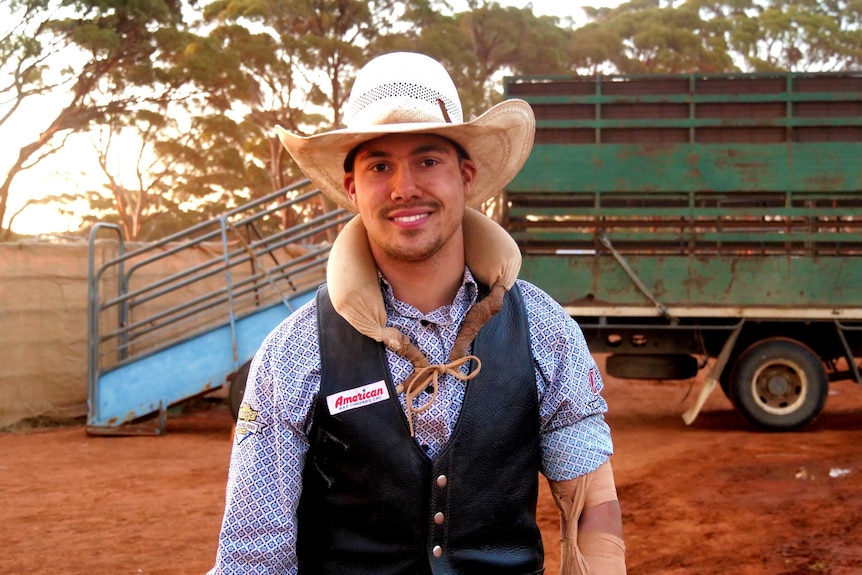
(357,397)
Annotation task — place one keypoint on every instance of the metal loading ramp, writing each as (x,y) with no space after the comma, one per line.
(175,319)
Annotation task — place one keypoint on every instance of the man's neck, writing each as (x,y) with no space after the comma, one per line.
(426,284)
(425,288)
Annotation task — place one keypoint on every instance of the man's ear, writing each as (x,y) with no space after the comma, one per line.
(349,183)
(468,174)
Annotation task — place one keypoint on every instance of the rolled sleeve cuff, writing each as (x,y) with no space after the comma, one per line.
(576,450)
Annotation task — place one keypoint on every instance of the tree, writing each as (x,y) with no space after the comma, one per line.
(182,174)
(300,59)
(642,36)
(263,63)
(480,45)
(26,49)
(201,89)
(513,40)
(790,35)
(116,55)
(594,48)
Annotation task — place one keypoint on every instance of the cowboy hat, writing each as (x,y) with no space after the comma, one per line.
(405,92)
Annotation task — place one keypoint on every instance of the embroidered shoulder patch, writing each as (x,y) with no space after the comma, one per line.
(247,423)
(357,397)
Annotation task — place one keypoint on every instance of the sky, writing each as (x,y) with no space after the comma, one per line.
(74,169)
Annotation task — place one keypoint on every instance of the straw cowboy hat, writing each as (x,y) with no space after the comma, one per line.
(399,93)
(405,92)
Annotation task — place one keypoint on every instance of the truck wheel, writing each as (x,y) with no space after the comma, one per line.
(237,388)
(658,366)
(779,384)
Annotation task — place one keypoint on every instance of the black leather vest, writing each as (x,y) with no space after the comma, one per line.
(374,503)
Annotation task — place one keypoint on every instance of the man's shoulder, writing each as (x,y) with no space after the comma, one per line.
(544,313)
(535,296)
(296,328)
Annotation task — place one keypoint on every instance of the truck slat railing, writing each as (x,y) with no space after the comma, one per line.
(688,223)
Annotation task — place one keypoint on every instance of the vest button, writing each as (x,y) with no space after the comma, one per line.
(441,481)
(437,551)
(438,518)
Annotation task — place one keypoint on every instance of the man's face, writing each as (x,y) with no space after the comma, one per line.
(409,190)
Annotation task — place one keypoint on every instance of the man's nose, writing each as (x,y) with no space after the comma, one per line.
(404,185)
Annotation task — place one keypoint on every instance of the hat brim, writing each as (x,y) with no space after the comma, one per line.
(499,142)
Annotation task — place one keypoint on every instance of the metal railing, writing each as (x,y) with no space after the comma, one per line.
(149,298)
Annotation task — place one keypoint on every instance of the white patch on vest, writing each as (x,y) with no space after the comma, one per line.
(357,397)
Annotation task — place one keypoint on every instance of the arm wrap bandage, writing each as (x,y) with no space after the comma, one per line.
(587,552)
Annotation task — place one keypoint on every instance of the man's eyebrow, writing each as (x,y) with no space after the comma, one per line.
(372,153)
(435,147)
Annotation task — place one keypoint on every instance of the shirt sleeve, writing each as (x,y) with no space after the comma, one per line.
(259,527)
(575,439)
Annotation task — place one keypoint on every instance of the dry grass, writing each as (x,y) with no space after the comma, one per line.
(43,423)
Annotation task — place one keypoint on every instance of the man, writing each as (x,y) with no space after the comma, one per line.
(398,423)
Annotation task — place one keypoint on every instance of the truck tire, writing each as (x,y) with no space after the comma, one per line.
(237,388)
(779,384)
(658,366)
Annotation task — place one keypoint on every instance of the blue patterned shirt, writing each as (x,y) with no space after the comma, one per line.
(265,479)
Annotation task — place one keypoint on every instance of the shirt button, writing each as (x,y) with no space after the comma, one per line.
(437,551)
(441,481)
(438,518)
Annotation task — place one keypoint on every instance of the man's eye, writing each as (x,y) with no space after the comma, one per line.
(378,167)
(428,162)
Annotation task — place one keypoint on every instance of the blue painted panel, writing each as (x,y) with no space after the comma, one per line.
(184,370)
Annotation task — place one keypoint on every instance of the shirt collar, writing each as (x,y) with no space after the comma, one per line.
(445,315)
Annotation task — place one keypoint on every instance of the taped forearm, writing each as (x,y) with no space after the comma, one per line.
(590,522)
(605,554)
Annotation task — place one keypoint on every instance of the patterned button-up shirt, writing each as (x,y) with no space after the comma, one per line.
(265,479)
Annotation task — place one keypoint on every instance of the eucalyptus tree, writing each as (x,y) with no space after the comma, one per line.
(97,57)
(481,44)
(721,36)
(298,57)
(184,169)
(651,36)
(268,63)
(24,58)
(794,35)
(507,40)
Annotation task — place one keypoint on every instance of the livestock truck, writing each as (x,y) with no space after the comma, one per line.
(707,222)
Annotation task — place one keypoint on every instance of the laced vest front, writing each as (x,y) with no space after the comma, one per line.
(374,503)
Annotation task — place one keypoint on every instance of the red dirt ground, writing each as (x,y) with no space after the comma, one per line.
(714,498)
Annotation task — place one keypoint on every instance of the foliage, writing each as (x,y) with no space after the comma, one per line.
(796,35)
(114,56)
(199,85)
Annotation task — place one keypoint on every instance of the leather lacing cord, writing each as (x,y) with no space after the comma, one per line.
(422,377)
(425,374)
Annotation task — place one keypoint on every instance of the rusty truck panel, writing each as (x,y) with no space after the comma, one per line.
(719,190)
(688,218)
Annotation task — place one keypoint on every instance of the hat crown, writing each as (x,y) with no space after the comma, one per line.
(403,88)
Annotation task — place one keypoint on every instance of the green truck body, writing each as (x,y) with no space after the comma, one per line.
(677,217)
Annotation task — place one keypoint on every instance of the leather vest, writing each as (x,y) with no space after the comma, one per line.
(374,503)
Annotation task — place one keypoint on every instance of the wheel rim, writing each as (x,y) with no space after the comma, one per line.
(779,387)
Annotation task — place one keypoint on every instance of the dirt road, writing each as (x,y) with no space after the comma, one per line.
(712,499)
